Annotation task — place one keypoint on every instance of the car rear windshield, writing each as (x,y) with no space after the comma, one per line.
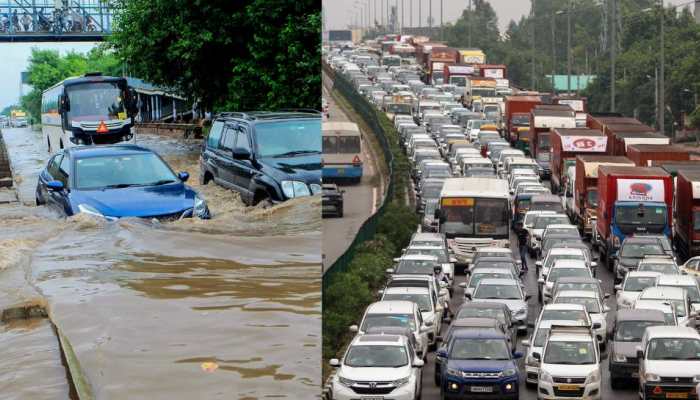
(415,267)
(639,250)
(506,292)
(142,169)
(388,320)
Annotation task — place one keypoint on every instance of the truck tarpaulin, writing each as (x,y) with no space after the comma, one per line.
(582,144)
(640,190)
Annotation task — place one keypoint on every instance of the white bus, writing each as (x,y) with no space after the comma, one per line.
(473,213)
(91,109)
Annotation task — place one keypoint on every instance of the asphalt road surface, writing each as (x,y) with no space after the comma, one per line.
(360,200)
(430,391)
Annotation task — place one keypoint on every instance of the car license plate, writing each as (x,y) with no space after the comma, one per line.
(569,387)
(676,395)
(373,398)
(341,171)
(481,389)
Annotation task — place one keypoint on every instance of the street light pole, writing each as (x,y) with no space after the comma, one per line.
(430,16)
(613,55)
(554,51)
(532,74)
(568,49)
(469,24)
(662,95)
(442,27)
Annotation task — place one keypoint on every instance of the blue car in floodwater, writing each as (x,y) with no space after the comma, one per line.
(478,364)
(117,181)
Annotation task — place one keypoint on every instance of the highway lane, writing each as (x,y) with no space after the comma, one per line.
(430,391)
(360,199)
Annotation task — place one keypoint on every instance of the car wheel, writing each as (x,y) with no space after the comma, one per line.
(615,383)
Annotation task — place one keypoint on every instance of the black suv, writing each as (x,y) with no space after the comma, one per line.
(332,201)
(265,156)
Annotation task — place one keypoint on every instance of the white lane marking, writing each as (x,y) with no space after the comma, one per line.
(374,200)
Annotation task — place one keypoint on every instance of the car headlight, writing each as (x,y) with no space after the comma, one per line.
(617,357)
(593,377)
(649,377)
(315,188)
(545,376)
(510,372)
(344,381)
(200,207)
(292,189)
(90,210)
(401,382)
(453,372)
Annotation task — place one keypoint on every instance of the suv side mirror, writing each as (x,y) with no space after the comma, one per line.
(354,328)
(183,176)
(537,356)
(334,362)
(640,353)
(240,153)
(55,186)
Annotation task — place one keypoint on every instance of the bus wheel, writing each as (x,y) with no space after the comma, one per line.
(48,143)
(61,143)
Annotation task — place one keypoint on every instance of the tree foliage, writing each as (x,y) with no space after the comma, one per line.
(48,67)
(234,55)
(7,110)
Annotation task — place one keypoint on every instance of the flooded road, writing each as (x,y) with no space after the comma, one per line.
(226,308)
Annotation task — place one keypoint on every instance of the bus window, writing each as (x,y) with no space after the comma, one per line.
(348,144)
(330,144)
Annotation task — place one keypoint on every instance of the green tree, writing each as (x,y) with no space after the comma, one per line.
(6,111)
(234,55)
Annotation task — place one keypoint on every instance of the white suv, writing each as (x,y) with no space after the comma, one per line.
(570,365)
(669,362)
(430,309)
(375,366)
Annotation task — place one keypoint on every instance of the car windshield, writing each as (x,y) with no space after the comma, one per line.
(360,356)
(592,198)
(557,273)
(95,101)
(552,259)
(139,169)
(556,231)
(497,292)
(506,263)
(674,349)
(288,138)
(415,267)
(544,220)
(438,172)
(571,353)
(422,300)
(476,277)
(436,252)
(565,315)
(663,268)
(651,215)
(388,320)
(632,331)
(678,305)
(639,250)
(591,304)
(638,283)
(576,286)
(481,312)
(479,349)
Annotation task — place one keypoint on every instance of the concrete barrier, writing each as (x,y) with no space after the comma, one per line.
(185,131)
(5,171)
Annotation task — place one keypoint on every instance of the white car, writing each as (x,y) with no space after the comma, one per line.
(669,362)
(559,253)
(633,284)
(383,365)
(540,223)
(569,365)
(687,282)
(559,269)
(536,344)
(400,314)
(674,295)
(662,265)
(447,262)
(430,282)
(431,311)
(595,308)
(506,291)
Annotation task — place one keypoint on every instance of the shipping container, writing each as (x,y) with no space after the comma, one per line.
(517,113)
(566,145)
(620,141)
(631,201)
(543,118)
(687,222)
(585,188)
(651,155)
(599,122)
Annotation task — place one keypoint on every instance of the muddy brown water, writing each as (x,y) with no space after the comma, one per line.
(222,309)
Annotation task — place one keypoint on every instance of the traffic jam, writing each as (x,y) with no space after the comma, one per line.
(558,250)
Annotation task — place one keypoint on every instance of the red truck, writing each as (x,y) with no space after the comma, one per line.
(517,113)
(620,141)
(584,199)
(686,230)
(566,145)
(457,74)
(437,59)
(423,51)
(631,201)
(651,155)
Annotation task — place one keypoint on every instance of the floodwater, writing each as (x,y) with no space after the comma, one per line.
(222,309)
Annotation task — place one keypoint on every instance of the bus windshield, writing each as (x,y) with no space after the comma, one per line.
(475,217)
(459,80)
(95,101)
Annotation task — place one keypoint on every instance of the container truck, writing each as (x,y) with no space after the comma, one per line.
(585,189)
(651,155)
(496,71)
(543,118)
(478,87)
(517,114)
(600,121)
(631,201)
(620,141)
(438,58)
(686,230)
(423,51)
(566,145)
(471,56)
(457,74)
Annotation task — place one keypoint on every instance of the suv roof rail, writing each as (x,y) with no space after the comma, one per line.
(253,115)
(303,110)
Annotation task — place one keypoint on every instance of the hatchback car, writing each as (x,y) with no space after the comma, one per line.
(264,156)
(117,181)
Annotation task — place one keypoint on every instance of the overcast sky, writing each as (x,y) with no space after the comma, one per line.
(14,59)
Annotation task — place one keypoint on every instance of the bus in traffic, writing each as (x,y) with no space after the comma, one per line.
(91,109)
(342,151)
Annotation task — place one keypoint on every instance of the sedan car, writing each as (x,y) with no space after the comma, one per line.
(508,292)
(332,202)
(117,181)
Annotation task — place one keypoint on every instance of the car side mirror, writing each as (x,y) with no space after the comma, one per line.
(640,353)
(537,356)
(334,362)
(540,281)
(354,328)
(183,176)
(463,285)
(517,354)
(55,186)
(617,287)
(240,153)
(397,259)
(380,292)
(525,343)
(441,353)
(538,263)
(453,259)
(527,297)
(418,363)
(468,295)
(606,309)
(596,325)
(594,264)
(606,296)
